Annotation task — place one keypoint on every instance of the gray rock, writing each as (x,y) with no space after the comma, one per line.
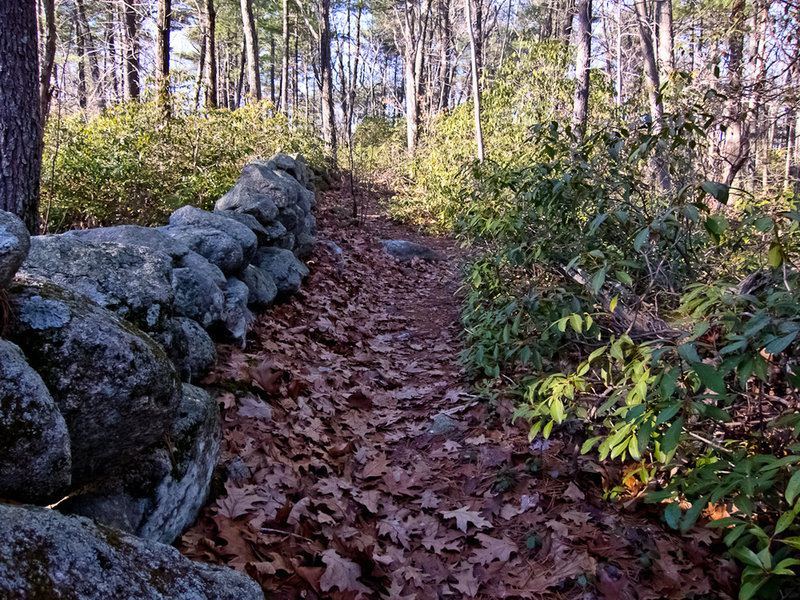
(287,241)
(285,269)
(159,494)
(304,245)
(115,387)
(132,281)
(262,290)
(236,319)
(189,347)
(195,217)
(249,221)
(292,218)
(199,289)
(35,462)
(134,235)
(405,250)
(275,233)
(44,554)
(14,245)
(443,424)
(214,245)
(244,199)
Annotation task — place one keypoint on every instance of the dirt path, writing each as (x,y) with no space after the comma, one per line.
(359,465)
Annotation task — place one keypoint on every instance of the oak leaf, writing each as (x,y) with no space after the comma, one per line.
(341,573)
(464,517)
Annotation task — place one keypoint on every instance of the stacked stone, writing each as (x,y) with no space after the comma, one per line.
(108,327)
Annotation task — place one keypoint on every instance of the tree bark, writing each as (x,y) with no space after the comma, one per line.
(48,60)
(736,147)
(581,101)
(251,49)
(653,85)
(326,68)
(284,105)
(164,24)
(20,112)
(132,89)
(476,90)
(666,42)
(210,22)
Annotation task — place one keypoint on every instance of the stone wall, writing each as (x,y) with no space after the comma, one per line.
(105,330)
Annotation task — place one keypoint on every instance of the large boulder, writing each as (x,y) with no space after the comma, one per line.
(44,554)
(262,190)
(199,288)
(132,281)
(14,245)
(263,236)
(216,246)
(189,347)
(35,461)
(261,288)
(115,387)
(134,235)
(191,216)
(283,267)
(245,199)
(159,494)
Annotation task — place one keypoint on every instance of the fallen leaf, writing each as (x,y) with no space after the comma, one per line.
(341,573)
(464,517)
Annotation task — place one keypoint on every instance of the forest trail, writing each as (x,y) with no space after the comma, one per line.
(360,464)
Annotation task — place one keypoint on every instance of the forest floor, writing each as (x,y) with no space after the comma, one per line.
(360,464)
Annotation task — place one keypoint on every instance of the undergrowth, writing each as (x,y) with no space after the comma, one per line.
(663,320)
(128,166)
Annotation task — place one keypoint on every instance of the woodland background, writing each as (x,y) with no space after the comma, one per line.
(624,172)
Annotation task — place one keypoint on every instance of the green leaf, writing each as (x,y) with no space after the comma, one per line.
(672,514)
(718,190)
(598,280)
(710,377)
(780,344)
(793,487)
(641,239)
(747,556)
(775,255)
(673,436)
(557,410)
(623,277)
(764,224)
(576,322)
(785,520)
(613,304)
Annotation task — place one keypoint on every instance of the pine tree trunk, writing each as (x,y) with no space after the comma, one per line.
(251,49)
(48,60)
(164,23)
(666,43)
(210,18)
(284,106)
(131,51)
(20,112)
(476,91)
(581,101)
(326,68)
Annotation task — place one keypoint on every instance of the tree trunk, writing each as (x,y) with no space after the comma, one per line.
(164,24)
(566,20)
(326,68)
(20,112)
(131,51)
(736,147)
(666,43)
(581,101)
(48,60)
(476,90)
(653,85)
(284,106)
(272,68)
(251,49)
(210,18)
(201,65)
